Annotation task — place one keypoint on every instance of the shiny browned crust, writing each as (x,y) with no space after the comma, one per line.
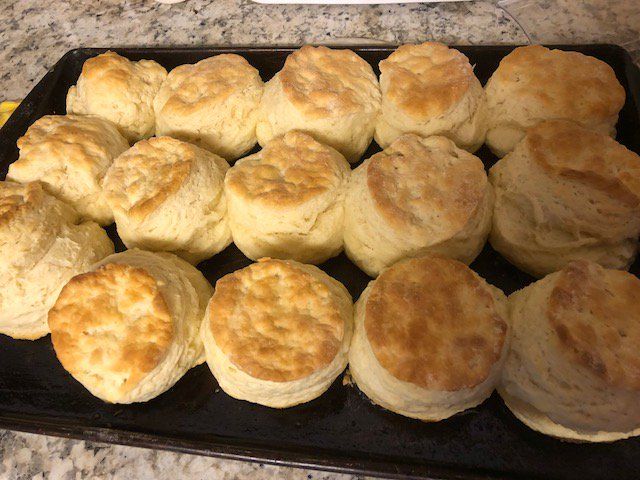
(569,150)
(113,321)
(426,80)
(595,315)
(433,322)
(276,321)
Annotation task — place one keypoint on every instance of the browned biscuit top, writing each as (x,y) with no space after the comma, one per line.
(206,84)
(146,175)
(595,314)
(111,326)
(566,84)
(322,82)
(569,150)
(426,186)
(289,171)
(276,321)
(426,80)
(434,323)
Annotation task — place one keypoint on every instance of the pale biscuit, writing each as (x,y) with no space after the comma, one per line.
(70,154)
(168,195)
(333,95)
(129,329)
(533,84)
(430,338)
(430,89)
(213,104)
(566,193)
(43,244)
(287,201)
(277,332)
(573,371)
(420,195)
(119,90)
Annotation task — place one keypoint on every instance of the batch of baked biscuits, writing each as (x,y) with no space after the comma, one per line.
(428,337)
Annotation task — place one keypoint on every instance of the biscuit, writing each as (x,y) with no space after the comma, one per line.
(43,244)
(213,104)
(566,193)
(128,330)
(430,89)
(70,154)
(430,338)
(573,370)
(332,95)
(533,84)
(118,90)
(420,195)
(277,332)
(168,195)
(287,201)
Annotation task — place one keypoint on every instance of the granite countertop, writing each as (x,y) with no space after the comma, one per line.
(34,38)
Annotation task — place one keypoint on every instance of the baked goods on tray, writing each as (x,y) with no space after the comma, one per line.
(573,371)
(432,338)
(566,193)
(212,104)
(419,195)
(168,195)
(330,94)
(287,200)
(70,154)
(431,89)
(277,332)
(119,90)
(43,243)
(534,83)
(129,328)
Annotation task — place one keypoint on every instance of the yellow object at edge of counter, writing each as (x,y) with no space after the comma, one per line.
(6,109)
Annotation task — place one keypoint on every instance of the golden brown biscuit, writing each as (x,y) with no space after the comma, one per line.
(534,83)
(430,338)
(566,193)
(573,371)
(168,195)
(287,201)
(277,332)
(119,90)
(129,329)
(212,103)
(70,155)
(333,95)
(430,89)
(420,195)
(43,244)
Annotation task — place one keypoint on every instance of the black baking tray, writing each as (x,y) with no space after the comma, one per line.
(340,431)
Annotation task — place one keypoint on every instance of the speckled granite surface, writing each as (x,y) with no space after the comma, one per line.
(33,39)
(38,457)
